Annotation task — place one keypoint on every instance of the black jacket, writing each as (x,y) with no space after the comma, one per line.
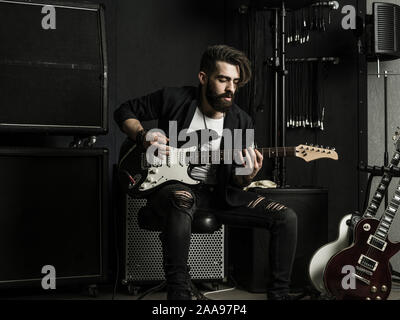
(180,104)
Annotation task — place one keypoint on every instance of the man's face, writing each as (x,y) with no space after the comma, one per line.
(221,86)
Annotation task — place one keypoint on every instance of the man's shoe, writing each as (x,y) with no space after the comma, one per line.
(287,297)
(179,295)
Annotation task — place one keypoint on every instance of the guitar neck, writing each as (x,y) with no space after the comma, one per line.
(381,190)
(266,152)
(388,216)
(278,152)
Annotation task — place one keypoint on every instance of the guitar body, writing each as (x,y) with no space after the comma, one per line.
(321,257)
(371,265)
(139,179)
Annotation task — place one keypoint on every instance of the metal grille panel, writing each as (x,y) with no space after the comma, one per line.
(143,256)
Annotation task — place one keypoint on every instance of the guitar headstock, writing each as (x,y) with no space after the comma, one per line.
(396,139)
(310,152)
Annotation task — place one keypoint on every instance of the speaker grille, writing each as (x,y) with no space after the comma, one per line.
(143,255)
(387,29)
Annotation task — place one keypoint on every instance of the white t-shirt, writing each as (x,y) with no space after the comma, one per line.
(207,173)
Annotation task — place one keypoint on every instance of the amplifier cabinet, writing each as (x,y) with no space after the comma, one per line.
(143,253)
(53,205)
(53,68)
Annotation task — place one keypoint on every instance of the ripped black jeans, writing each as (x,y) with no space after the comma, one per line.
(176,204)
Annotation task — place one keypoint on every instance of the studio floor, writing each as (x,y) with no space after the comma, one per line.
(107,292)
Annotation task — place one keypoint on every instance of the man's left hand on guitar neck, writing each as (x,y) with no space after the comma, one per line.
(252,160)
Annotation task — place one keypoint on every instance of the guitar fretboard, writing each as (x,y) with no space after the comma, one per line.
(381,190)
(388,216)
(266,152)
(228,154)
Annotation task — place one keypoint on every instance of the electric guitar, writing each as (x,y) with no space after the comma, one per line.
(321,257)
(367,259)
(140,177)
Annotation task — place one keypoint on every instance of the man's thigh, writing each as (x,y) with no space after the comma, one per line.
(258,213)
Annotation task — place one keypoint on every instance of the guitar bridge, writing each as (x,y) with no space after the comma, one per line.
(362,279)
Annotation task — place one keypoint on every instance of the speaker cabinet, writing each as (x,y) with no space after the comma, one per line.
(386,30)
(52,212)
(143,253)
(249,247)
(53,68)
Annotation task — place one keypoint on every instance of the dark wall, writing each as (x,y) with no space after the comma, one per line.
(160,43)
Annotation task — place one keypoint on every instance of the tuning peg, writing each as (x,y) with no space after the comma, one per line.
(333,149)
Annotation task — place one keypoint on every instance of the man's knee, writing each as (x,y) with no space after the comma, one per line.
(289,216)
(176,196)
(182,199)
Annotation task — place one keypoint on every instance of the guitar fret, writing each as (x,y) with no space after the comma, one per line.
(384,230)
(387,213)
(386,225)
(378,196)
(388,219)
(396,202)
(374,206)
(380,234)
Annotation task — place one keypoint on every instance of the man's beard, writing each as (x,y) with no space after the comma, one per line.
(217,101)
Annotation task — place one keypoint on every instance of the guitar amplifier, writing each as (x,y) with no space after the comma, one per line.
(53,213)
(249,247)
(53,68)
(143,259)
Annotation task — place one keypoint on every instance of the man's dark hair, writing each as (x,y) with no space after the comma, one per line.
(227,54)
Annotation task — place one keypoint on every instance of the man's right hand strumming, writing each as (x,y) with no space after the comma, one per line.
(134,129)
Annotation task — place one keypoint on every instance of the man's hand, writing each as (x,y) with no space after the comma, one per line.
(253,165)
(157,140)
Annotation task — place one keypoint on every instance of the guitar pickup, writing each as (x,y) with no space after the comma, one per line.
(377,243)
(367,263)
